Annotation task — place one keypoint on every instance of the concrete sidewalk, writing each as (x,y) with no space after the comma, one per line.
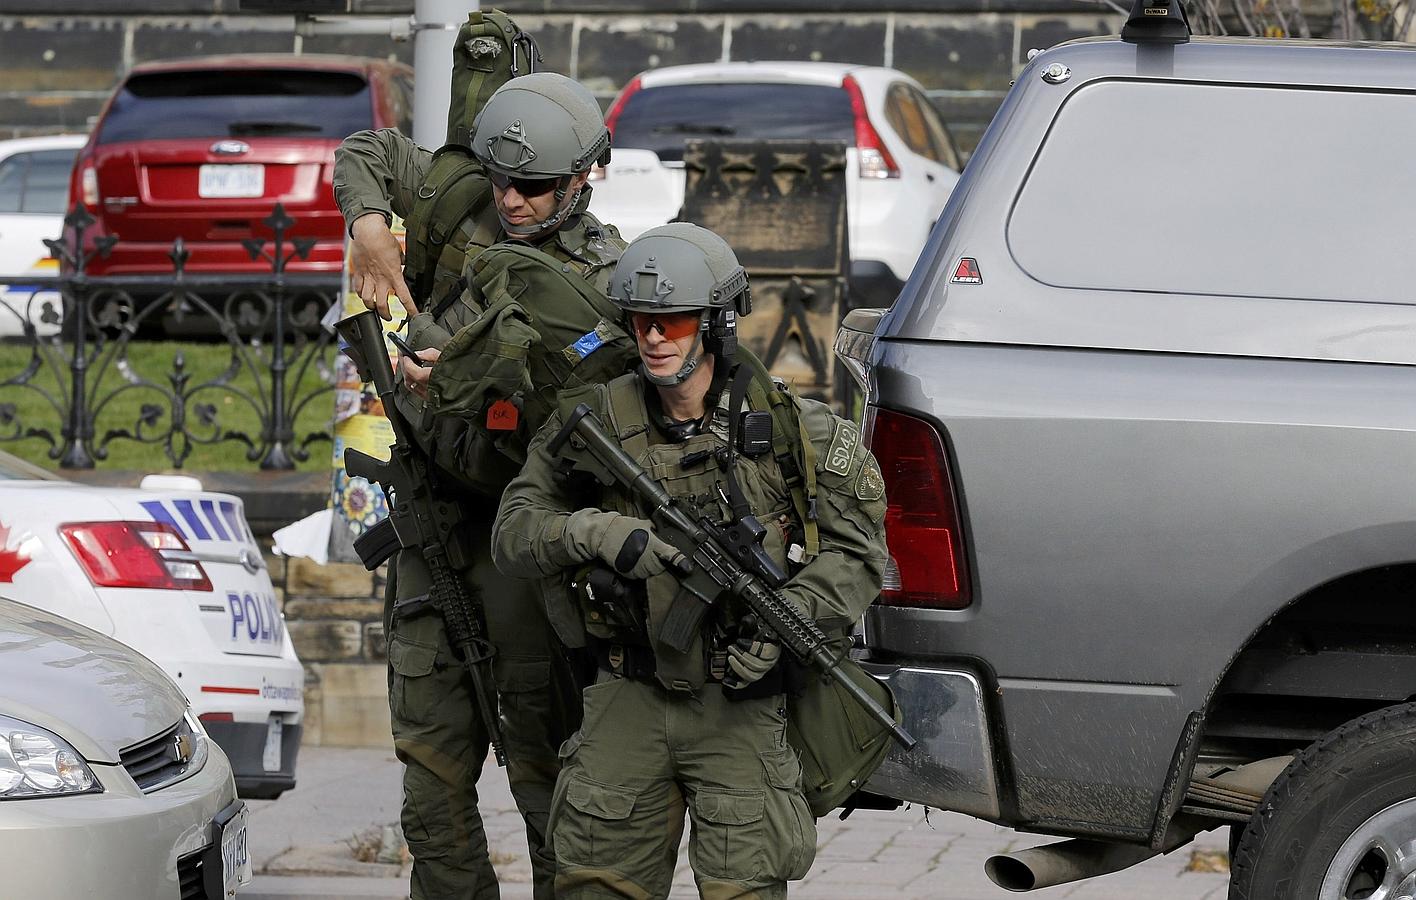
(900,854)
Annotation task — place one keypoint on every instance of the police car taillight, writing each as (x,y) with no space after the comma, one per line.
(922,521)
(135,555)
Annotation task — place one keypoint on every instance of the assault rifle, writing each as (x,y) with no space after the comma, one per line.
(718,561)
(419,519)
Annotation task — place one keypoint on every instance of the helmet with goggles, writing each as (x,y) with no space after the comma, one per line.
(537,132)
(677,271)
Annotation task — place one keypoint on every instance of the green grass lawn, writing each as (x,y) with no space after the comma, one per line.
(234,405)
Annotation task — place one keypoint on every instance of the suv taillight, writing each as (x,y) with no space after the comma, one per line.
(617,107)
(135,555)
(922,522)
(874,159)
(88,185)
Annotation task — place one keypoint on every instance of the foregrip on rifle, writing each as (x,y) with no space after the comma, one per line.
(464,635)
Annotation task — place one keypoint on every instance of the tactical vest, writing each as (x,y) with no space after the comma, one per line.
(773,485)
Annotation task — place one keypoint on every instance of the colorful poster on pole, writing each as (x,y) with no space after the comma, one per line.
(359,422)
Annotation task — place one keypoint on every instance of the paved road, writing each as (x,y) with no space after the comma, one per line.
(900,854)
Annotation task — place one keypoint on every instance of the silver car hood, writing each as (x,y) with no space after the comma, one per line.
(90,690)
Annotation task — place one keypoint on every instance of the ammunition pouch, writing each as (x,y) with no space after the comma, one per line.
(612,607)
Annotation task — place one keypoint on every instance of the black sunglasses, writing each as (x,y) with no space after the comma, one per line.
(526,187)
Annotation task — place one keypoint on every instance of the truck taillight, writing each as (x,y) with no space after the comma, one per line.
(135,555)
(922,521)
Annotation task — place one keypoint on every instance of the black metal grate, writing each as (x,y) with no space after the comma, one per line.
(157,761)
(191,872)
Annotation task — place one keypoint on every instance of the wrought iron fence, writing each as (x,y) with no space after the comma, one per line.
(81,335)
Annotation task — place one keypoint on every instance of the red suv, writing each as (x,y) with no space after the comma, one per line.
(203,149)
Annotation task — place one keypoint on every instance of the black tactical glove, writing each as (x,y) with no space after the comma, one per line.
(627,543)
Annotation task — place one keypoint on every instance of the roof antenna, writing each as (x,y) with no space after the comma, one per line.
(1157,22)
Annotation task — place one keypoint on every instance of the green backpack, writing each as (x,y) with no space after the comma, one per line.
(536,329)
(491,50)
(453,207)
(839,743)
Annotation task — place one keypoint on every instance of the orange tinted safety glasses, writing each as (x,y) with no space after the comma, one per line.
(672,326)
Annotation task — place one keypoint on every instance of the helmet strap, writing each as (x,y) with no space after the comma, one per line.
(695,356)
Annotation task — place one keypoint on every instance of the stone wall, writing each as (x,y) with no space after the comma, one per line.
(334,617)
(59,60)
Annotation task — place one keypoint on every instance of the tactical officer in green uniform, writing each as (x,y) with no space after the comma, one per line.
(703,730)
(535,140)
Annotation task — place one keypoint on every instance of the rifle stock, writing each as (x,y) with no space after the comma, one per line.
(419,520)
(723,561)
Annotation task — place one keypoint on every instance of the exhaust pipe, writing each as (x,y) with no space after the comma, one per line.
(1052,864)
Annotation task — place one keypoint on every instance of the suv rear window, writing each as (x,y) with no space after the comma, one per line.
(1208,189)
(662,118)
(239,103)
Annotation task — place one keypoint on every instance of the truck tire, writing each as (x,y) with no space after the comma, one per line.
(1340,822)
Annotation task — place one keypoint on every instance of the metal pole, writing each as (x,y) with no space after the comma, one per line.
(279,431)
(78,426)
(78,430)
(435,24)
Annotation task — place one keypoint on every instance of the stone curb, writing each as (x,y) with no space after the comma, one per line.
(280,887)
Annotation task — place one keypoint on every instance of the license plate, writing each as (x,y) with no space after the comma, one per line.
(235,854)
(271,758)
(231,181)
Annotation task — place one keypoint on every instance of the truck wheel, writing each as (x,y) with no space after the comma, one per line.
(1340,822)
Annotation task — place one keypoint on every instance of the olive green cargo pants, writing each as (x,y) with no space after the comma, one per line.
(643,755)
(439,734)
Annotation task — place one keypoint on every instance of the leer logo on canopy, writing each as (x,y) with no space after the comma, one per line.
(967,272)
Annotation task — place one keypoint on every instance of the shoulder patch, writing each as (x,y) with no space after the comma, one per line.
(843,448)
(870,485)
(588,343)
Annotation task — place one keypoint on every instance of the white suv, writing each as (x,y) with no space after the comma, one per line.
(34,195)
(901,163)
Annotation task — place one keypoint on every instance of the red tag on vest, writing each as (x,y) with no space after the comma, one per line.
(502,416)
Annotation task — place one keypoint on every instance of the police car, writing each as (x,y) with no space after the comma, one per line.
(174,572)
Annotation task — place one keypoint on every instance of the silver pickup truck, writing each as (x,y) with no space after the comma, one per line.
(1146,411)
